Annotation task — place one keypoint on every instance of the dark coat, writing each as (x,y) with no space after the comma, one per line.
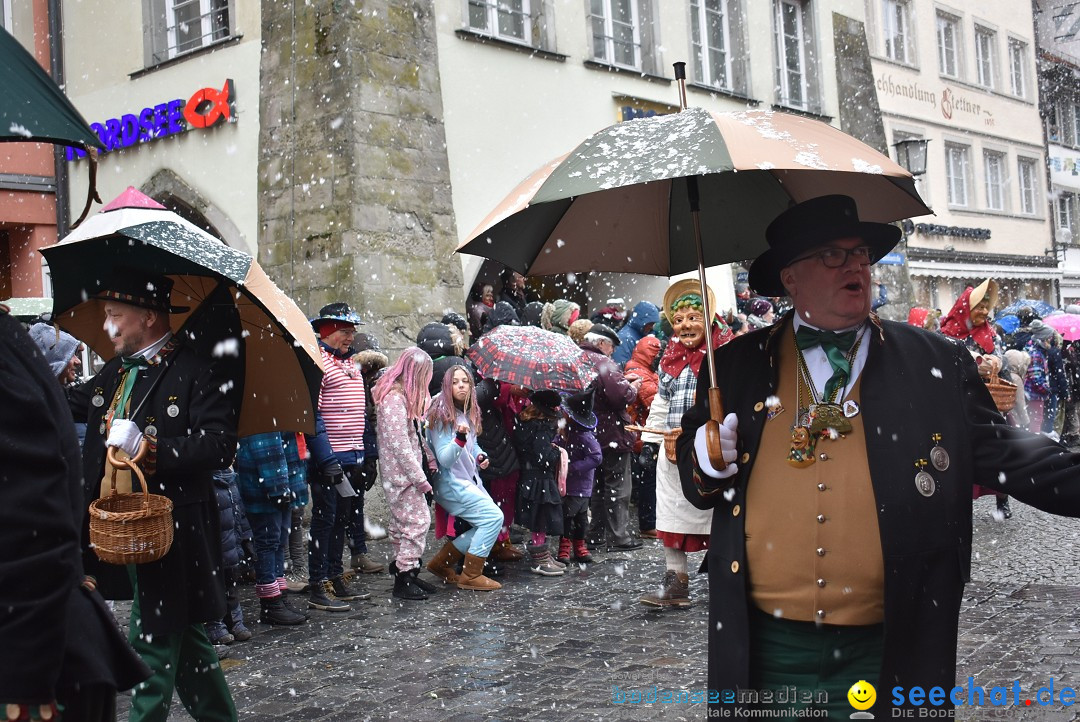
(539,505)
(55,633)
(613,394)
(233,520)
(914,384)
(185,586)
(493,438)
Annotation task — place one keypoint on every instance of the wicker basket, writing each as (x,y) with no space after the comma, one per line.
(131,528)
(1003,392)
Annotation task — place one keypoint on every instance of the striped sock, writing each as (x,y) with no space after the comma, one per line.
(267,591)
(281,584)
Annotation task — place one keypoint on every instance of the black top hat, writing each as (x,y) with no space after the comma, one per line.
(546,400)
(336,312)
(579,407)
(137,288)
(811,224)
(601,329)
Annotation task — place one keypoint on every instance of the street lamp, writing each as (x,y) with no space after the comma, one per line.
(911,154)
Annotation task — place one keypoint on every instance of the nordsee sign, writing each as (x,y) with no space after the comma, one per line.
(206,108)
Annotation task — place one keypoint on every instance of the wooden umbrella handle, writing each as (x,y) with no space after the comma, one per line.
(712,429)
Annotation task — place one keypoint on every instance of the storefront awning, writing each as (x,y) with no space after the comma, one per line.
(970,270)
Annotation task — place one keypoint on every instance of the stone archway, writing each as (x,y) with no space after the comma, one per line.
(168,189)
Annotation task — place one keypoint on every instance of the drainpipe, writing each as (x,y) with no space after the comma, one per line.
(56,68)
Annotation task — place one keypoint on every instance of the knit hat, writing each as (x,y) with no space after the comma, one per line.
(58,346)
(558,315)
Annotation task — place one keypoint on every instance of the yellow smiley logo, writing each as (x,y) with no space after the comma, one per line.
(862,695)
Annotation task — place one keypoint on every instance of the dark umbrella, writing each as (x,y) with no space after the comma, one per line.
(35,109)
(531,357)
(223,288)
(1042,308)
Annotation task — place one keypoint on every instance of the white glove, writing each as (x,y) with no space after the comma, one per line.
(124,434)
(728,438)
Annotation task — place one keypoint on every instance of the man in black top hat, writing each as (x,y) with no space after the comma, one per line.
(841,534)
(158,390)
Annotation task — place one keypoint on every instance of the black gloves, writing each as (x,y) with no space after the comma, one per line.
(333,470)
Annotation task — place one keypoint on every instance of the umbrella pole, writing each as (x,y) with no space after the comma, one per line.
(716,401)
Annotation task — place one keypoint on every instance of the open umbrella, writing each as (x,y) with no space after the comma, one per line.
(635,197)
(35,109)
(532,357)
(28,308)
(1067,324)
(1042,308)
(282,364)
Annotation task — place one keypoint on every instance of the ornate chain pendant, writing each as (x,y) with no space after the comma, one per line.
(828,416)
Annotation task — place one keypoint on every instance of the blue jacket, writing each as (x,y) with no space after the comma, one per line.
(643,314)
(269,466)
(443,443)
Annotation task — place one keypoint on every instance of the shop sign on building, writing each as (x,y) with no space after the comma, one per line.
(205,108)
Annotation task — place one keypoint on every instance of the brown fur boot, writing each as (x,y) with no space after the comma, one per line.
(442,564)
(472,576)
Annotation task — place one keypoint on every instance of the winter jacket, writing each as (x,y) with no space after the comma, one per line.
(493,436)
(532,313)
(234,523)
(613,394)
(268,468)
(643,314)
(643,363)
(585,456)
(371,362)
(1036,381)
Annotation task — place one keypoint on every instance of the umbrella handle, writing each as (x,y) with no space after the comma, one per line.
(712,429)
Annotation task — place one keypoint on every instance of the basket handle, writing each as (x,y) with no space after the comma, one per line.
(645,429)
(132,464)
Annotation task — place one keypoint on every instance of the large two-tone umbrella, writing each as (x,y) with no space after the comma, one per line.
(282,363)
(676,193)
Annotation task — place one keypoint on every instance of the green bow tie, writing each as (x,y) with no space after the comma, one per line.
(131,366)
(836,347)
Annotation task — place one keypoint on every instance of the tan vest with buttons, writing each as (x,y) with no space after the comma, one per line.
(812,542)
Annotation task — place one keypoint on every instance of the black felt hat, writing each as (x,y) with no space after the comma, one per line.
(546,400)
(807,226)
(136,288)
(602,329)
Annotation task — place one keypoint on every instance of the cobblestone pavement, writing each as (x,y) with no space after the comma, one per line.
(553,648)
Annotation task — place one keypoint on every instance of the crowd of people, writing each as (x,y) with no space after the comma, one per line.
(487,461)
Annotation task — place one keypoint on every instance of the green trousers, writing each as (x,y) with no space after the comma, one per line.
(815,665)
(184,661)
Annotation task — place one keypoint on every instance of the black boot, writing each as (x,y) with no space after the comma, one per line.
(274,611)
(288,605)
(1003,507)
(427,586)
(405,586)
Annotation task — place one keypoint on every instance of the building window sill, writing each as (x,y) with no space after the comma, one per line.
(217,44)
(599,65)
(485,39)
(713,90)
(805,113)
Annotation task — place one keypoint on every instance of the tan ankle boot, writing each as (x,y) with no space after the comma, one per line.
(472,576)
(442,564)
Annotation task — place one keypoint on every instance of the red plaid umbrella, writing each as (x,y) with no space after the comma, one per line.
(532,357)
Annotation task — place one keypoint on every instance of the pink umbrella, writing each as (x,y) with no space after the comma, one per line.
(1067,324)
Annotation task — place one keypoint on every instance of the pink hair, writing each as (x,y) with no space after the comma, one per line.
(410,374)
(443,411)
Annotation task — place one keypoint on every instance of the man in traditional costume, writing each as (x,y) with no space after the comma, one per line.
(841,535)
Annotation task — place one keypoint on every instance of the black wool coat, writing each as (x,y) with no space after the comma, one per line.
(56,634)
(199,436)
(915,384)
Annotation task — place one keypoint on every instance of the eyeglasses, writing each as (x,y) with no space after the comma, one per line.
(835,257)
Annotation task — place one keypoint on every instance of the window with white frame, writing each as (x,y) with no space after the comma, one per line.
(710,31)
(616,32)
(1029,184)
(957,173)
(948,40)
(177,27)
(792,51)
(1017,67)
(1065,210)
(5,14)
(994,179)
(504,19)
(985,56)
(896,27)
